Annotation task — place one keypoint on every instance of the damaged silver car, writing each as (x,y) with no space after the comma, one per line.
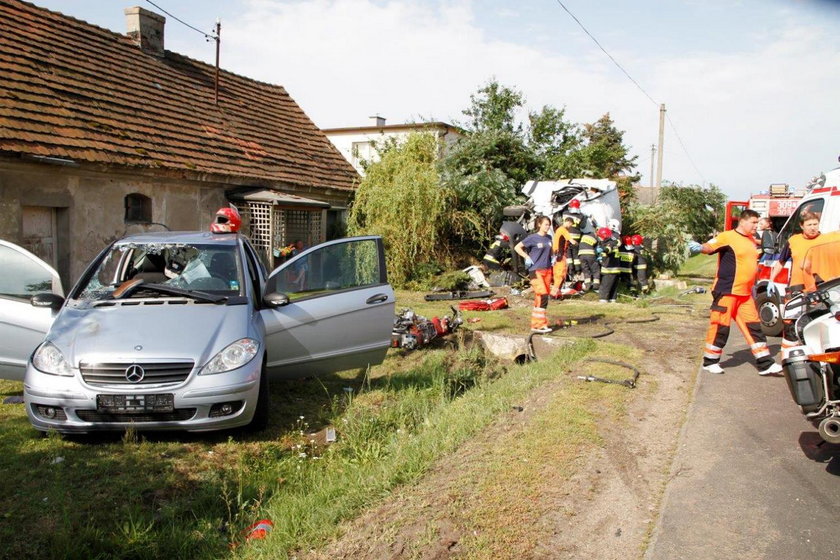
(183,330)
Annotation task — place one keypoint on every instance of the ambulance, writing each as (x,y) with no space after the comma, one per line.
(821,197)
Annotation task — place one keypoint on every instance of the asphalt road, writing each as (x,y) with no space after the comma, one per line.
(751,478)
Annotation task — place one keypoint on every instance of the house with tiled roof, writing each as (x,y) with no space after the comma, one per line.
(103,133)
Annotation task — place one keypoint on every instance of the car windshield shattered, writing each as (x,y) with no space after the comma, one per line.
(164,270)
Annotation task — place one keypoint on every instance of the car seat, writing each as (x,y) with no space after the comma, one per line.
(223,266)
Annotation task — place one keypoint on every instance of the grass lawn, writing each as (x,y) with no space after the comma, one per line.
(700,266)
(133,495)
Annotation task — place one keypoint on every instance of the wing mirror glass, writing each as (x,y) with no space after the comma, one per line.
(47,300)
(276,299)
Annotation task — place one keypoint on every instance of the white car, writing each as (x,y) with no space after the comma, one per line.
(182,330)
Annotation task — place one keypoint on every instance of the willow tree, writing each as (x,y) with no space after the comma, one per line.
(401,199)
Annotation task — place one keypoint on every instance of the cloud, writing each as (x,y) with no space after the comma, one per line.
(764,114)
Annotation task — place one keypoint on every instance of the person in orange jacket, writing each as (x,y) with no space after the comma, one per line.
(795,250)
(737,252)
(561,242)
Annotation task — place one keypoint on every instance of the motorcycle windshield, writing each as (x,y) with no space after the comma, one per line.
(822,262)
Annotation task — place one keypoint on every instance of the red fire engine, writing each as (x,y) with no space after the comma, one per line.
(778,203)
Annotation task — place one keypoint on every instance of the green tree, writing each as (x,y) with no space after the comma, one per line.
(486,168)
(681,213)
(606,157)
(701,208)
(401,199)
(556,144)
(493,108)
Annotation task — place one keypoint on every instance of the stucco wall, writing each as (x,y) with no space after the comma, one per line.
(90,207)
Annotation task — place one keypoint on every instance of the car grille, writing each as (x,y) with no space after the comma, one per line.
(154,373)
(177,415)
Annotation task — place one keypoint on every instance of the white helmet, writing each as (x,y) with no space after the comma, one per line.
(614,225)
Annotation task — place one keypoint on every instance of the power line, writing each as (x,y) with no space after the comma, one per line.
(629,77)
(208,36)
(674,128)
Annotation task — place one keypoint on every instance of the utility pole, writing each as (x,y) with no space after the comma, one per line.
(218,38)
(661,145)
(652,153)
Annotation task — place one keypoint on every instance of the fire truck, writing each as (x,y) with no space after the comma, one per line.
(778,203)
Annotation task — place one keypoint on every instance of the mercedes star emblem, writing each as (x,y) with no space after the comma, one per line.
(134,373)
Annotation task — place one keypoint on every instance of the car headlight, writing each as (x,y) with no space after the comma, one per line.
(49,359)
(234,356)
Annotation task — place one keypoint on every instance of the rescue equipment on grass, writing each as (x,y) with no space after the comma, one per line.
(459,295)
(485,305)
(629,383)
(413,331)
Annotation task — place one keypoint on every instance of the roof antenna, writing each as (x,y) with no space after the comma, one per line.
(218,39)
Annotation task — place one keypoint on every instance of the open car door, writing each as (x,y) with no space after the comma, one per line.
(340,309)
(23,326)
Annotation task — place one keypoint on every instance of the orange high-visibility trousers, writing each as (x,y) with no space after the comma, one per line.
(559,276)
(541,284)
(741,309)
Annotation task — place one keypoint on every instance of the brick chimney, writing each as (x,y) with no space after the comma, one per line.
(145,29)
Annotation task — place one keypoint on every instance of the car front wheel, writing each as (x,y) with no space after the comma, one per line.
(770,313)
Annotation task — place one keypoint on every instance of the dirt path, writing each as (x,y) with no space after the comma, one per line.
(569,499)
(627,475)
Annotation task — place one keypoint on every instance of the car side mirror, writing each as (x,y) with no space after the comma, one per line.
(276,299)
(52,301)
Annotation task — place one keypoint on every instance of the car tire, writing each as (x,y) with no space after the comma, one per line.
(514,211)
(260,420)
(770,314)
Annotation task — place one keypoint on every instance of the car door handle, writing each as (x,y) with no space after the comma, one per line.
(378,298)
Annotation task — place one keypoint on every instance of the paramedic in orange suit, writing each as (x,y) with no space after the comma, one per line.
(536,251)
(559,249)
(737,252)
(795,250)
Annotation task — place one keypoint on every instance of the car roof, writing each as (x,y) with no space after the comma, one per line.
(187,237)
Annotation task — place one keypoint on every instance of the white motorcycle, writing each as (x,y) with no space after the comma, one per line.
(812,369)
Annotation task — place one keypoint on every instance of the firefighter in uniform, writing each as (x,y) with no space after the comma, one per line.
(732,300)
(495,259)
(560,246)
(627,256)
(589,267)
(611,265)
(577,222)
(536,251)
(795,250)
(640,268)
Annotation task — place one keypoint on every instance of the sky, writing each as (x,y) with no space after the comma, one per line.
(751,87)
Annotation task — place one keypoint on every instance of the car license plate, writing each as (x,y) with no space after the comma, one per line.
(164,402)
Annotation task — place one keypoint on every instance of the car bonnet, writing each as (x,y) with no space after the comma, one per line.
(132,333)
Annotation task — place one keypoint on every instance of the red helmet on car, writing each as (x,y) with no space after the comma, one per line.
(604,233)
(575,203)
(227,220)
(638,240)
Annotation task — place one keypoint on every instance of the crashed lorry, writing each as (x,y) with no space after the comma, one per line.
(598,207)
